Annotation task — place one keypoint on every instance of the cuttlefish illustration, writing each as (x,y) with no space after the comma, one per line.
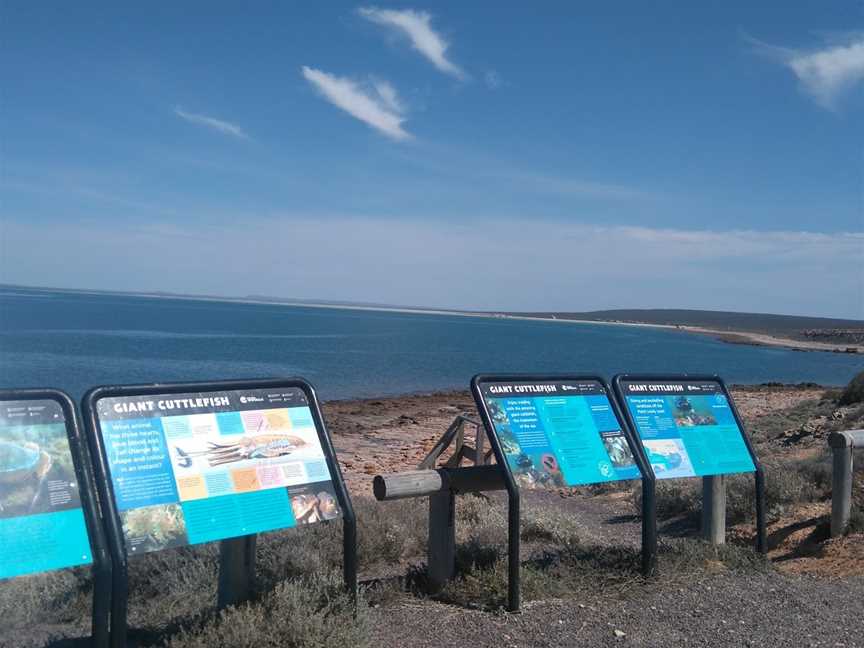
(258,446)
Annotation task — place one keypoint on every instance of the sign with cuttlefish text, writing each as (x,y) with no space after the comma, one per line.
(557,433)
(198,467)
(42,523)
(687,427)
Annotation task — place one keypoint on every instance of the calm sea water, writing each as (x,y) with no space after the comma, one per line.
(76,341)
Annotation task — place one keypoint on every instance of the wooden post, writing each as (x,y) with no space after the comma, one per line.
(714,509)
(442,539)
(413,483)
(419,483)
(479,442)
(841,490)
(842,444)
(236,570)
(841,483)
(458,444)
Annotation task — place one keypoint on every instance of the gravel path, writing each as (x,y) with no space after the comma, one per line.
(713,609)
(721,610)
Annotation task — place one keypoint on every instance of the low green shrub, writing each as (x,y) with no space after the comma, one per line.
(481,521)
(854,391)
(389,531)
(308,612)
(45,598)
(856,521)
(786,484)
(673,498)
(686,556)
(550,526)
(771,426)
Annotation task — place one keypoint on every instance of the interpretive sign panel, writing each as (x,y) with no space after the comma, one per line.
(557,431)
(210,464)
(42,521)
(687,426)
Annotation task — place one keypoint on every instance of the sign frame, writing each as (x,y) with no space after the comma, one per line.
(101,567)
(116,542)
(758,474)
(649,521)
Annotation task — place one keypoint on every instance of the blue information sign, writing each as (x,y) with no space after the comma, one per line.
(187,468)
(42,524)
(557,433)
(687,428)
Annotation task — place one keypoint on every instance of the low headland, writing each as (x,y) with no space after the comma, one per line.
(787,331)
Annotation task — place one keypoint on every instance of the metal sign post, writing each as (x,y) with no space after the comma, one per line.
(236,571)
(649,523)
(513,520)
(274,425)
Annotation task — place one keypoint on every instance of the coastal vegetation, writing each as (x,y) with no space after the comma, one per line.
(854,392)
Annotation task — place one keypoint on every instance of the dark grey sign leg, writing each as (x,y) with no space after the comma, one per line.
(761,532)
(349,552)
(649,527)
(101,631)
(119,604)
(513,578)
(236,570)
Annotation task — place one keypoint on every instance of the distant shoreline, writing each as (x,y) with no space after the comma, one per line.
(764,339)
(729,336)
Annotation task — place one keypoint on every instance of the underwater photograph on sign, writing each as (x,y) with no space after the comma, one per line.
(559,434)
(687,428)
(193,468)
(42,524)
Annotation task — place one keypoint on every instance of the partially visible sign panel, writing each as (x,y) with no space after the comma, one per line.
(559,433)
(42,524)
(687,428)
(198,467)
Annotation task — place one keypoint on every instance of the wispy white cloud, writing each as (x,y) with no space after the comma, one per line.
(222,126)
(417,26)
(376,103)
(825,74)
(388,95)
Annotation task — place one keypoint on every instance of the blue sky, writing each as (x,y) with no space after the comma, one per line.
(575,156)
